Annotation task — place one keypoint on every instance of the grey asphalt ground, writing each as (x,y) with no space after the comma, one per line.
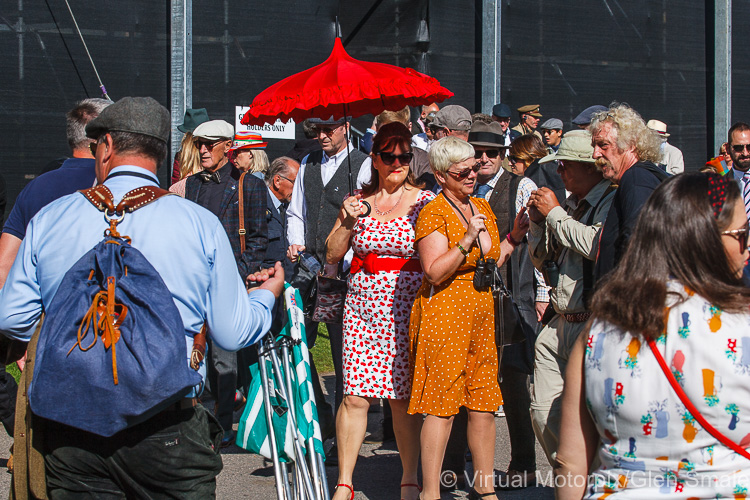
(376,477)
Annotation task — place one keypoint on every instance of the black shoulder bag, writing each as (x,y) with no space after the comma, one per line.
(508,327)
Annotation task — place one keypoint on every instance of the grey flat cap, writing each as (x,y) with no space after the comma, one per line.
(214,130)
(584,117)
(501,110)
(453,117)
(137,115)
(552,124)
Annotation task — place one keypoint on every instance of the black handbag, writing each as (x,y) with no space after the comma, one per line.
(508,326)
(328,300)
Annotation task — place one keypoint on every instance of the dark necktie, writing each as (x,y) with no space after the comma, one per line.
(482,190)
(210,176)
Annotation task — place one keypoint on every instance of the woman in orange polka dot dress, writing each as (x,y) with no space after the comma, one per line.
(452,329)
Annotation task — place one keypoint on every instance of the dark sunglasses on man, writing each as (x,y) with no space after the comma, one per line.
(739,148)
(491,153)
(463,174)
(389,158)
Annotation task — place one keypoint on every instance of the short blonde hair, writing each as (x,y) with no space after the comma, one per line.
(260,161)
(190,158)
(448,151)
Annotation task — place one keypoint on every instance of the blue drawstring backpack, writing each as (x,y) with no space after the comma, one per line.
(112,349)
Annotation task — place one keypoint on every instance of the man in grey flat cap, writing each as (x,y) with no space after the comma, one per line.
(552,133)
(452,120)
(217,188)
(563,243)
(583,119)
(174,452)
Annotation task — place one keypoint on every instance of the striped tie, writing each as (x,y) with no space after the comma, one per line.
(746,192)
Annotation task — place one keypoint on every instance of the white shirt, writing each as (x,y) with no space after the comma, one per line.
(296,214)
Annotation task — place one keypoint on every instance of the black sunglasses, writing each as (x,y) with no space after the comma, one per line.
(739,148)
(463,174)
(389,158)
(741,235)
(491,153)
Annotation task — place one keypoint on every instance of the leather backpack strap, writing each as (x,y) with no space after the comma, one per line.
(101,197)
(199,349)
(691,407)
(242,212)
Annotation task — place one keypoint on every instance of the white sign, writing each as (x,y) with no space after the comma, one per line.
(276,130)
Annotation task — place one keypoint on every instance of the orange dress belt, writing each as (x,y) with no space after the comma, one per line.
(373,263)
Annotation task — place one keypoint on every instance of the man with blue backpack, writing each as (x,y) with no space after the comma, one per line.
(131,281)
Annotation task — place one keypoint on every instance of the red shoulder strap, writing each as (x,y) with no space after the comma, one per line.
(691,407)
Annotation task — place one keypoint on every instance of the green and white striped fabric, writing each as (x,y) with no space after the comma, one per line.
(252,433)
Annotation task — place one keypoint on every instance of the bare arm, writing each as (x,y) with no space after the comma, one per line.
(338,242)
(440,262)
(578,434)
(9,246)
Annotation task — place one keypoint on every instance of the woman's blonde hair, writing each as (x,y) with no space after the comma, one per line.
(447,151)
(190,158)
(260,162)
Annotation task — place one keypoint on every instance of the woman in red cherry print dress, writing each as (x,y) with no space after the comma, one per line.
(384,280)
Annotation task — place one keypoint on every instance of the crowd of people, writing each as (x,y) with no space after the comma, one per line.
(614,258)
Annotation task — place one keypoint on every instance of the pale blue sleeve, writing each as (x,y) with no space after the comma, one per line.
(21,297)
(235,318)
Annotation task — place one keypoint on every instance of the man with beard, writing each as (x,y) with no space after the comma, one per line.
(626,151)
(738,147)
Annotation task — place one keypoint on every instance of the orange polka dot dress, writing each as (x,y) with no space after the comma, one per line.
(452,327)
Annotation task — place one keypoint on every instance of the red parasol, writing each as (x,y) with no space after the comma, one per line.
(344,86)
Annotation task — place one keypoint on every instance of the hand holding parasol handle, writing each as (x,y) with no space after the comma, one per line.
(367,209)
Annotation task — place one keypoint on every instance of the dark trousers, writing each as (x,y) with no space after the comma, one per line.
(8,391)
(514,385)
(172,455)
(222,382)
(327,414)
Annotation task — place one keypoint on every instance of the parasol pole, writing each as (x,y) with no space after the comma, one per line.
(349,165)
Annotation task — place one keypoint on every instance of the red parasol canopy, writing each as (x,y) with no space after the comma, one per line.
(342,85)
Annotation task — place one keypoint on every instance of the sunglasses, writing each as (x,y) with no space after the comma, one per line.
(515,159)
(741,235)
(326,130)
(389,158)
(739,148)
(491,153)
(210,145)
(463,174)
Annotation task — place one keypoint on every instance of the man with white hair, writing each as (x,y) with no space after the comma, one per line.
(627,152)
(671,156)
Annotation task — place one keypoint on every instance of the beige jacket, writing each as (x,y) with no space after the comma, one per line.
(578,240)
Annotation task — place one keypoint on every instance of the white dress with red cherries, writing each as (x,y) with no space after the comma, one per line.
(378,305)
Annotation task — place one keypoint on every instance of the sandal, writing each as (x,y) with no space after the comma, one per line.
(350,489)
(474,495)
(406,485)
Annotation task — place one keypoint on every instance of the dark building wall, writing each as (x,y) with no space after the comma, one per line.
(562,55)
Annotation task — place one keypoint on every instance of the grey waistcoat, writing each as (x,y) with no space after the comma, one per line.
(323,203)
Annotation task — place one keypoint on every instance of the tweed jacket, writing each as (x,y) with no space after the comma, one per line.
(256,227)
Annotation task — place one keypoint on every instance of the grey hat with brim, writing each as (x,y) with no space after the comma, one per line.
(575,146)
(193,118)
(136,115)
(487,135)
(552,124)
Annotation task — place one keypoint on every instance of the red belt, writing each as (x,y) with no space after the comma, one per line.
(372,263)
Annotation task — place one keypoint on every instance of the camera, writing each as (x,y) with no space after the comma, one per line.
(551,272)
(484,275)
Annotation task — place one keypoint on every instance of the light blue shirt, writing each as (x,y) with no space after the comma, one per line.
(184,242)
